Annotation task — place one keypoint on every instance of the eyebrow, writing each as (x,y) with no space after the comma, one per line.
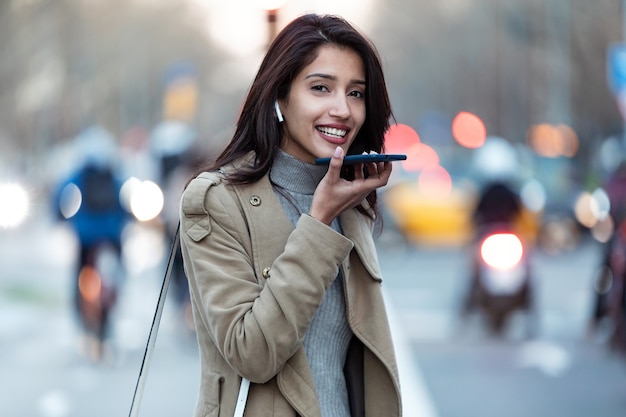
(331,77)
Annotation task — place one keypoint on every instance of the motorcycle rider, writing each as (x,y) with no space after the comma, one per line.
(497,204)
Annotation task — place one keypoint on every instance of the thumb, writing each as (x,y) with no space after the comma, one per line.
(336,161)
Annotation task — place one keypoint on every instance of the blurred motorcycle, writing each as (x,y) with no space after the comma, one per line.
(500,283)
(500,279)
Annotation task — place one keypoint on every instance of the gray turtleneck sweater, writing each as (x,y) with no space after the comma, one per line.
(328,336)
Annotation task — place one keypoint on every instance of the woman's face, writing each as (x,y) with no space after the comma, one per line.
(325,107)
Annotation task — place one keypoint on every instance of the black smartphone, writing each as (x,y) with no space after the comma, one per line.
(364,158)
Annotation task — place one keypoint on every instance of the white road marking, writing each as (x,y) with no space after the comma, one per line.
(416,399)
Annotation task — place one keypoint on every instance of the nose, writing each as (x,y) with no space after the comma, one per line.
(340,107)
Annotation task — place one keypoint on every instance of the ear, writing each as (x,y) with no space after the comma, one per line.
(278,113)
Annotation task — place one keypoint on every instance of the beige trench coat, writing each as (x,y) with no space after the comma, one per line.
(256,282)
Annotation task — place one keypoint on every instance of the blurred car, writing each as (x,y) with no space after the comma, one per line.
(429,220)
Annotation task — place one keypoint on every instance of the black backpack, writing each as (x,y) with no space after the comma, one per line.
(99,190)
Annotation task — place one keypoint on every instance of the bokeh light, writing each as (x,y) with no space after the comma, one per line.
(399,138)
(552,141)
(592,211)
(600,203)
(89,284)
(502,251)
(435,182)
(603,229)
(420,156)
(126,192)
(610,154)
(533,195)
(70,200)
(469,130)
(583,210)
(146,201)
(14,205)
(497,158)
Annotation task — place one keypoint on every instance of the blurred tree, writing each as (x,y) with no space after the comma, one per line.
(68,64)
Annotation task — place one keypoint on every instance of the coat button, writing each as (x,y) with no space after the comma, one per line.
(255,200)
(266,272)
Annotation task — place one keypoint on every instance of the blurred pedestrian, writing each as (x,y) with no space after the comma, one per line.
(608,295)
(279,252)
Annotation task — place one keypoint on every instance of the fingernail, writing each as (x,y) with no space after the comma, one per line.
(337,153)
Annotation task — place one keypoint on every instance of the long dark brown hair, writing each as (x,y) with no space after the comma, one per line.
(295,47)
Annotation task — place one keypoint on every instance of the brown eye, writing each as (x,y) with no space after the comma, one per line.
(321,88)
(357,94)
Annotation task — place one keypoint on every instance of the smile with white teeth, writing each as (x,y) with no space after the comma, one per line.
(331,131)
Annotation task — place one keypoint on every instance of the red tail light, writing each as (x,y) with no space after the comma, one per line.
(502,250)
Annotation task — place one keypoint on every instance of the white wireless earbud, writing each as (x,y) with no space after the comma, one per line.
(278,113)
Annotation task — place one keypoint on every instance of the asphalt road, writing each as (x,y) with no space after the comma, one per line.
(449,368)
(468,372)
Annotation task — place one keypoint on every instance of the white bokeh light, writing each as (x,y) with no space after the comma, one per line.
(600,203)
(14,205)
(533,195)
(146,201)
(502,251)
(70,201)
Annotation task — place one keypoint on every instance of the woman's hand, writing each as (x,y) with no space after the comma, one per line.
(334,195)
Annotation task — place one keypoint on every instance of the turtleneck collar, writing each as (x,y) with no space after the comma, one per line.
(294,175)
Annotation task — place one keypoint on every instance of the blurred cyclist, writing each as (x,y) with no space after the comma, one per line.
(89,199)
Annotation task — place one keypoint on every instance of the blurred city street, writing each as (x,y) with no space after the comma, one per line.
(460,369)
(526,95)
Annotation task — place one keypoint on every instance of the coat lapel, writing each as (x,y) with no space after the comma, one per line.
(364,295)
(356,229)
(269,226)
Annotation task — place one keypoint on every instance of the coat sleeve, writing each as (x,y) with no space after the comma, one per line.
(256,327)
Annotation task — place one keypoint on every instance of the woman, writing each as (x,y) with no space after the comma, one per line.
(282,267)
